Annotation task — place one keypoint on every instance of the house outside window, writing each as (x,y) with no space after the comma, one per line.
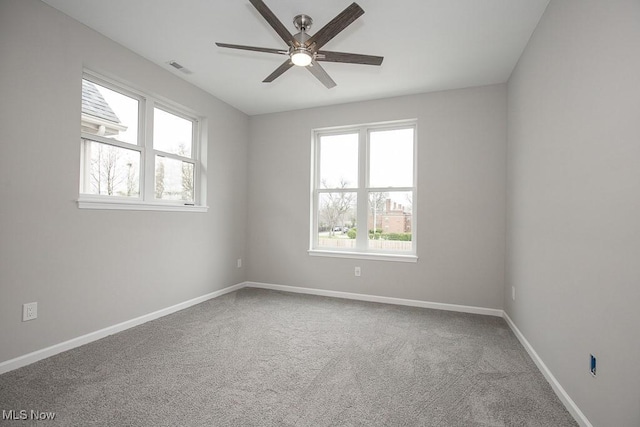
(363,196)
(137,152)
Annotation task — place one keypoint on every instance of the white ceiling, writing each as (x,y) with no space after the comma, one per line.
(428,45)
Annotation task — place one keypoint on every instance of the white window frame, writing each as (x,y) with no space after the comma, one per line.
(146,199)
(362,190)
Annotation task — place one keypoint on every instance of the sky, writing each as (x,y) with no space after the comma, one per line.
(126,109)
(391,160)
(169,130)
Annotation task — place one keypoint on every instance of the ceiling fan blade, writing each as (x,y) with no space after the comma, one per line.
(321,74)
(279,71)
(337,24)
(351,58)
(252,48)
(275,23)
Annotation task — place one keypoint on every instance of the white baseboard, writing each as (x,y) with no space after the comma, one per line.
(551,379)
(30,358)
(375,298)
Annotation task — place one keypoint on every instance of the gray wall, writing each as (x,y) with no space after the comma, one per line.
(91,269)
(572,198)
(461,199)
(574,202)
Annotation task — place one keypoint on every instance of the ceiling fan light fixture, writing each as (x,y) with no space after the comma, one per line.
(301,58)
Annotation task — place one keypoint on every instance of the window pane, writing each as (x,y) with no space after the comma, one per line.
(339,161)
(174,179)
(337,220)
(391,158)
(111,170)
(109,113)
(172,134)
(390,220)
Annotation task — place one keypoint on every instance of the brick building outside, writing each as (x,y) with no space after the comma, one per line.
(393,219)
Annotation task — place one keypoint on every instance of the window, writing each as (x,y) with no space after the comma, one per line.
(363,198)
(137,152)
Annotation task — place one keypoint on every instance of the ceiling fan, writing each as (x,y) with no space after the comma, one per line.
(304,50)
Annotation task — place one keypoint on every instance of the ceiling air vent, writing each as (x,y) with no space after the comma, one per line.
(179,67)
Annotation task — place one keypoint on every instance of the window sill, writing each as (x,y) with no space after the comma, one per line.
(137,206)
(364,255)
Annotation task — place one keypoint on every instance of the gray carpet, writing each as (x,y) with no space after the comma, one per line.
(264,358)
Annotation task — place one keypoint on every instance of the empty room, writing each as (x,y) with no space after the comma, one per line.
(437,223)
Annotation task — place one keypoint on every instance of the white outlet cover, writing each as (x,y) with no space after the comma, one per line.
(29,311)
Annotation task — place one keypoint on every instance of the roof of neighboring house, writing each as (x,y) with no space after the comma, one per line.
(94,104)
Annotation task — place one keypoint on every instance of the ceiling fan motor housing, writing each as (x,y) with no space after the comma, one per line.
(302,22)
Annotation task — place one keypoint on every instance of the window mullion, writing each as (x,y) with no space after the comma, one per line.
(196,153)
(315,168)
(338,190)
(110,141)
(84,166)
(146,137)
(388,189)
(362,197)
(174,156)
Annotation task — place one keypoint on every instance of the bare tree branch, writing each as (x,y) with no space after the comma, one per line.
(335,206)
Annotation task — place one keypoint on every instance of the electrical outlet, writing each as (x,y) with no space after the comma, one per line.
(29,311)
(513,293)
(239,262)
(592,365)
(357,271)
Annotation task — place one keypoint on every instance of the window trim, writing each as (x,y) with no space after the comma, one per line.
(123,203)
(146,199)
(362,190)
